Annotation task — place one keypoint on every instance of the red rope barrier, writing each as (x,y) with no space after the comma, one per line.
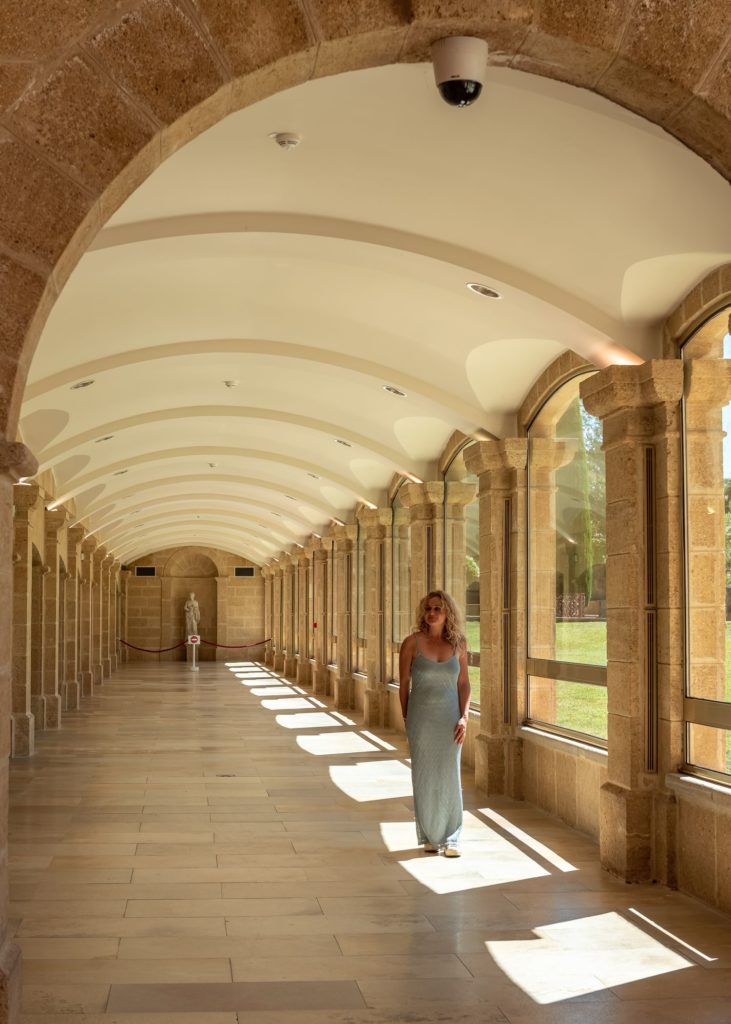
(234,647)
(149,650)
(208,643)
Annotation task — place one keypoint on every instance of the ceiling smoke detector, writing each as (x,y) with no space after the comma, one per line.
(286,140)
(394,391)
(108,437)
(230,383)
(81,384)
(120,472)
(314,476)
(345,444)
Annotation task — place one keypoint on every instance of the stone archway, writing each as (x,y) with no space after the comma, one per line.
(94,99)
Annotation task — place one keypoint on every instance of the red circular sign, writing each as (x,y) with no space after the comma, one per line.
(193,639)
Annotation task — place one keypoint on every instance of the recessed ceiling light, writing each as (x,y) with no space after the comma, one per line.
(483,290)
(212,465)
(277,514)
(120,472)
(290,497)
(394,391)
(314,476)
(230,383)
(107,438)
(345,444)
(81,384)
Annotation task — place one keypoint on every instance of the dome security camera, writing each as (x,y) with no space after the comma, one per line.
(460,63)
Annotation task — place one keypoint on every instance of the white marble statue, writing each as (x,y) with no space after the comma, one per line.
(192,615)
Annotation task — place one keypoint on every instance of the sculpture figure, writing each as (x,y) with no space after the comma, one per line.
(192,615)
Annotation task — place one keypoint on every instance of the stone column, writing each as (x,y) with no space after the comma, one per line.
(289,581)
(54,522)
(15,462)
(223,610)
(26,499)
(639,407)
(426,504)
(124,578)
(97,585)
(345,543)
(86,608)
(500,468)
(268,577)
(376,526)
(320,616)
(71,693)
(305,615)
(114,615)
(278,616)
(106,586)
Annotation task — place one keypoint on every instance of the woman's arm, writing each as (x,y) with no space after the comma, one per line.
(463,692)
(406,656)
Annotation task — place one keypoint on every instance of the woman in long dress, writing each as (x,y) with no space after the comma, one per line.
(434,687)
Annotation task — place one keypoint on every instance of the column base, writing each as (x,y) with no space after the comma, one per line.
(87,683)
(114,661)
(269,656)
(625,836)
(278,662)
(304,673)
(290,668)
(343,692)
(10,983)
(106,668)
(321,680)
(499,765)
(96,674)
(22,734)
(374,707)
(71,696)
(46,710)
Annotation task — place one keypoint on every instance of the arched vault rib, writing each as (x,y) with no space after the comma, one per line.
(643,343)
(470,417)
(398,460)
(208,520)
(157,540)
(103,502)
(194,501)
(81,483)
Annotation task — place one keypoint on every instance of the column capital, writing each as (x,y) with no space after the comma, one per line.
(16,460)
(458,494)
(89,545)
(486,456)
(25,497)
(375,521)
(108,561)
(99,554)
(551,454)
(615,388)
(55,520)
(344,536)
(75,535)
(429,493)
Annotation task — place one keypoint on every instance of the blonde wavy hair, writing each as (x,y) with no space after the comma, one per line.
(453,631)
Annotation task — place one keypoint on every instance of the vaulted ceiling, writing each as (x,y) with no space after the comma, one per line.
(241,314)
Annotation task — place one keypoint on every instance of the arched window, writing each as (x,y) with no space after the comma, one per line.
(360,569)
(462,557)
(567,629)
(707,449)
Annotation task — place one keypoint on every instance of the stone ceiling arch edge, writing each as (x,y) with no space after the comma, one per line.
(65,173)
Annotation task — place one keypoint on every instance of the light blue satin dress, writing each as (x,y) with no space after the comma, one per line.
(433,712)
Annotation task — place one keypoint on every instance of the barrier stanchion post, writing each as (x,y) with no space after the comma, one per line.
(194,640)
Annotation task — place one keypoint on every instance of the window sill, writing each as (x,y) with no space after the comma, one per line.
(693,787)
(554,742)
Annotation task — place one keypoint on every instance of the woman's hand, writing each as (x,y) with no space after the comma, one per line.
(460,730)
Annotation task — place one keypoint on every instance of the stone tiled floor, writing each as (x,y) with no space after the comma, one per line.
(222,847)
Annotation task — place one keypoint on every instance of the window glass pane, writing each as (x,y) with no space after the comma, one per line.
(707,423)
(709,747)
(462,558)
(567,533)
(361,583)
(400,548)
(296,610)
(577,706)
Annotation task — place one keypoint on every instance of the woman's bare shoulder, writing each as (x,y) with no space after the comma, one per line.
(408,643)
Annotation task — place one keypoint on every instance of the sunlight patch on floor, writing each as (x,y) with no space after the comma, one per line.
(373,780)
(527,840)
(589,954)
(272,691)
(290,704)
(310,720)
(336,743)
